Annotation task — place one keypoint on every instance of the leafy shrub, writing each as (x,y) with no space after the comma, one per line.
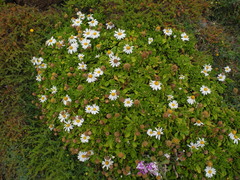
(124,102)
(22,30)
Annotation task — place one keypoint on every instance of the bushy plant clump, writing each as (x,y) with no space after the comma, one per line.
(22,31)
(137,104)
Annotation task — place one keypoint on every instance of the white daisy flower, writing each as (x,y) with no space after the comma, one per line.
(85,43)
(60,44)
(93,23)
(95,109)
(201,142)
(198,123)
(34,60)
(110,25)
(191,99)
(68,126)
(76,22)
(227,69)
(39,78)
(78,121)
(82,65)
(81,15)
(87,33)
(120,34)
(63,115)
(158,132)
(107,163)
(234,137)
(173,104)
(42,66)
(221,77)
(167,31)
(90,17)
(151,133)
(113,95)
(43,98)
(109,53)
(193,146)
(51,42)
(88,109)
(210,171)
(114,61)
(51,127)
(150,40)
(184,37)
(81,56)
(128,49)
(128,102)
(72,39)
(155,85)
(205,90)
(72,48)
(97,56)
(98,72)
(82,156)
(205,72)
(84,138)
(181,77)
(54,89)
(169,97)
(91,78)
(66,99)
(39,61)
(207,67)
(95,34)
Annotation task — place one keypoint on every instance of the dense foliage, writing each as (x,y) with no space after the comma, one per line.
(118,97)
(32,148)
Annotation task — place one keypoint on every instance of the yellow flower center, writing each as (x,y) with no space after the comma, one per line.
(87,33)
(109,52)
(92,22)
(85,44)
(71,37)
(158,133)
(202,142)
(156,83)
(128,102)
(205,89)
(185,36)
(107,162)
(98,72)
(167,31)
(89,108)
(94,109)
(51,126)
(150,132)
(198,121)
(68,125)
(90,75)
(119,33)
(84,137)
(209,171)
(235,137)
(192,97)
(78,120)
(70,47)
(173,104)
(94,33)
(113,94)
(43,98)
(83,156)
(50,40)
(128,47)
(64,115)
(65,98)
